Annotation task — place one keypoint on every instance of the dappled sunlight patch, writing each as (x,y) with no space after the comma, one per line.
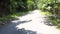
(15,21)
(45,13)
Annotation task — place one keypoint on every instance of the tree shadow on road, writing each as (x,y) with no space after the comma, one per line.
(19,31)
(12,29)
(23,31)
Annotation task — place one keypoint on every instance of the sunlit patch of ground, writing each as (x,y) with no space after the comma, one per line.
(46,13)
(36,24)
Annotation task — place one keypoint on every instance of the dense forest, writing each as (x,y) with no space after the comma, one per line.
(11,7)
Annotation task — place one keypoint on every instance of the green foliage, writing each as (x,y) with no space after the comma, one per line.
(12,6)
(42,3)
(30,3)
(53,7)
(13,16)
(15,8)
(17,5)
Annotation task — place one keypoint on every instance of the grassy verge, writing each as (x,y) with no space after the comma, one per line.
(46,13)
(54,20)
(14,15)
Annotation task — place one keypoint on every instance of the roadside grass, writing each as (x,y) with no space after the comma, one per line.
(45,13)
(12,16)
(54,20)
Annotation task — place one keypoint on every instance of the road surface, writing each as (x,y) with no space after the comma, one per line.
(32,23)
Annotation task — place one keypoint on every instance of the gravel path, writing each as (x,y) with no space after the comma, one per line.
(32,23)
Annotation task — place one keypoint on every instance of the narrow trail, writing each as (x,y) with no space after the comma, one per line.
(32,23)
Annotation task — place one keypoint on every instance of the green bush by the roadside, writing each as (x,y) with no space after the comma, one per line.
(50,8)
(11,16)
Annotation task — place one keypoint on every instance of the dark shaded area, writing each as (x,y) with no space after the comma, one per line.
(52,21)
(23,31)
(11,28)
(55,21)
(47,21)
(2,23)
(19,31)
(4,7)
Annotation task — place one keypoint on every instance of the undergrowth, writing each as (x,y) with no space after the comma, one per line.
(11,16)
(54,19)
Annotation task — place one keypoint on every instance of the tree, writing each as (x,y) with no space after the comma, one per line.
(12,6)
